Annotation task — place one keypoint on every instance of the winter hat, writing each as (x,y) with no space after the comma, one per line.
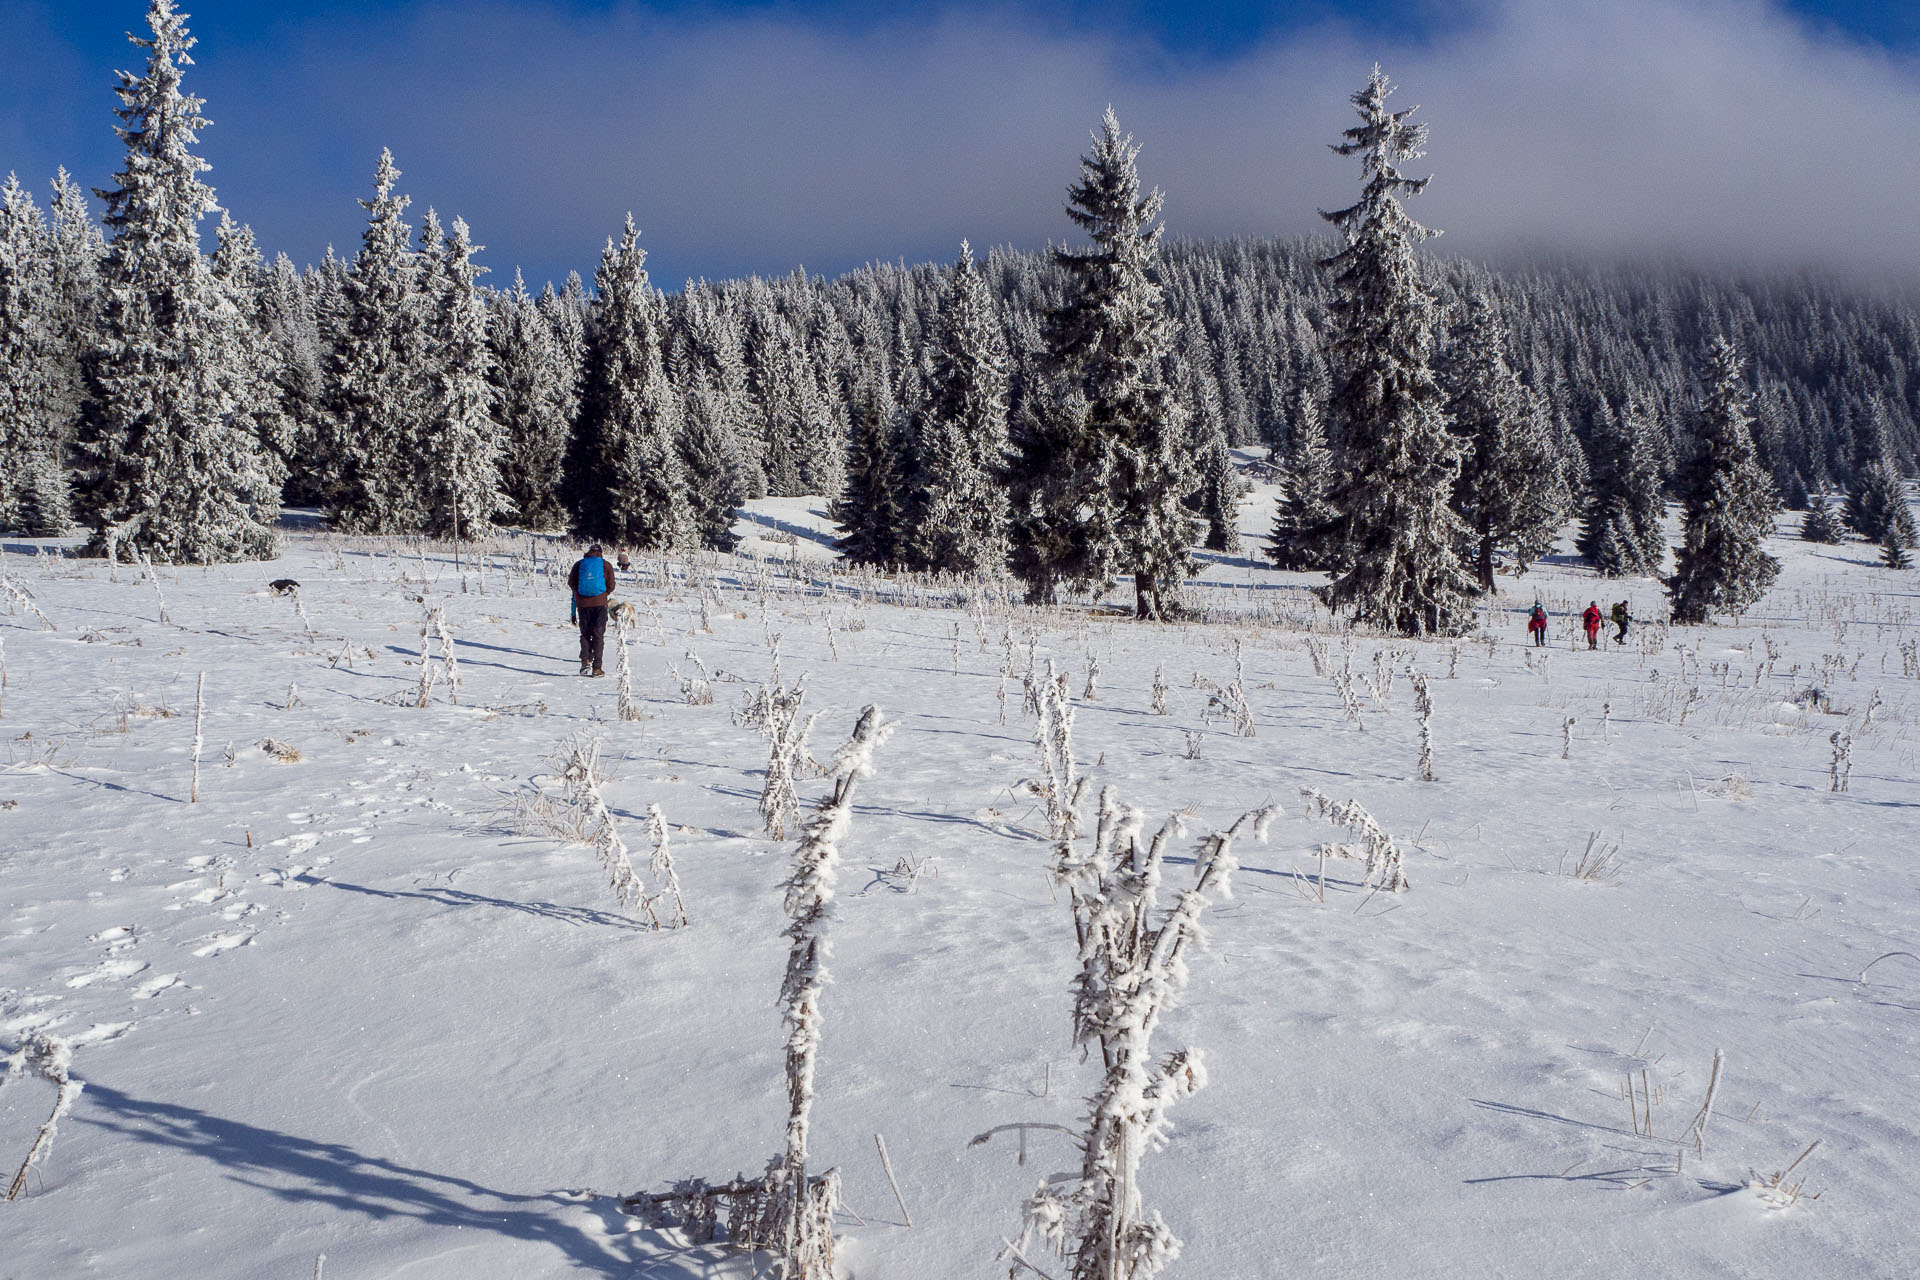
(594,550)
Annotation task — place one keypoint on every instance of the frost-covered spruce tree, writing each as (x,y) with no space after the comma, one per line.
(626,460)
(1396,539)
(960,430)
(566,311)
(376,372)
(77,249)
(33,497)
(462,439)
(710,461)
(529,401)
(1877,503)
(1100,472)
(1727,504)
(1510,492)
(1893,551)
(1821,523)
(1620,525)
(291,322)
(1221,488)
(716,338)
(168,471)
(1302,520)
(256,361)
(871,508)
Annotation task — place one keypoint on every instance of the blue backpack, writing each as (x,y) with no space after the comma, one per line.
(593,576)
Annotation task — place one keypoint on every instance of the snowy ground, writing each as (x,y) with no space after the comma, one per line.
(341,1006)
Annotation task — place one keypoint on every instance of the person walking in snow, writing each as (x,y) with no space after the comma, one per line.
(1537,625)
(592,581)
(1620,620)
(1591,621)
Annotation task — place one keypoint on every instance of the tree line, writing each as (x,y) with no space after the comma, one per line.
(1066,416)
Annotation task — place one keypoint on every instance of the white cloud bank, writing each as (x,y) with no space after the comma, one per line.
(1720,128)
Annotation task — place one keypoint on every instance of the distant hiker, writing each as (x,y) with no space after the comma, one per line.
(592,581)
(1620,620)
(622,561)
(1591,621)
(1537,625)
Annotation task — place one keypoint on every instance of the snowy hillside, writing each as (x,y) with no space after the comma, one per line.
(348,1003)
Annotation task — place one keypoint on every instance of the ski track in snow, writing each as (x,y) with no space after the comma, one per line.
(348,1005)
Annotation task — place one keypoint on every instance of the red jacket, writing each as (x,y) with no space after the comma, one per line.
(1591,617)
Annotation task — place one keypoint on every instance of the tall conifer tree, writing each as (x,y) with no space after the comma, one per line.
(871,511)
(1510,492)
(1620,531)
(530,402)
(627,463)
(1102,474)
(1302,520)
(1727,504)
(167,468)
(255,362)
(33,497)
(961,433)
(462,439)
(377,372)
(1398,538)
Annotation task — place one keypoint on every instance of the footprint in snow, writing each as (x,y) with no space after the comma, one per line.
(148,988)
(224,942)
(108,971)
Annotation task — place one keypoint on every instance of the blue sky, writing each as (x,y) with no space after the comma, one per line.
(756,137)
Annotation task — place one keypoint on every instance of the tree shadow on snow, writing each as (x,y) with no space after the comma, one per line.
(305,1171)
(461,898)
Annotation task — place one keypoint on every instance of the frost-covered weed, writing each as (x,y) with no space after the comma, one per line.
(199,742)
(580,773)
(789,1211)
(628,705)
(1385,869)
(1423,707)
(17,594)
(51,1059)
(1132,971)
(1841,767)
(775,712)
(433,628)
(1230,701)
(660,864)
(696,690)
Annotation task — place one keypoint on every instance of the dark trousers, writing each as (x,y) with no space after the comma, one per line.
(1539,637)
(593,634)
(1622,637)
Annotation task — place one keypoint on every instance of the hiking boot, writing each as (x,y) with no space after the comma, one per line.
(586,669)
(598,672)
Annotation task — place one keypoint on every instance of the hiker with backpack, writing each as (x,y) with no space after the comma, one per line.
(1620,620)
(1537,625)
(592,581)
(1591,621)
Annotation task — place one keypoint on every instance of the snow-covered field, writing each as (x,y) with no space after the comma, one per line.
(342,1005)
